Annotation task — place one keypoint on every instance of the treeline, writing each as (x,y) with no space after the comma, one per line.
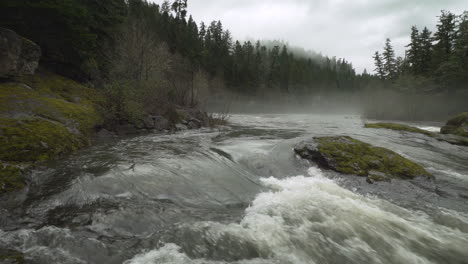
(77,35)
(430,81)
(433,62)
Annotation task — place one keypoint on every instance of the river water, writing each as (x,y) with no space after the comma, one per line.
(238,194)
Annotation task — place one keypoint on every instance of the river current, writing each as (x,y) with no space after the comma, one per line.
(238,194)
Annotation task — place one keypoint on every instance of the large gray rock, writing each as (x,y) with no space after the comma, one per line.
(18,56)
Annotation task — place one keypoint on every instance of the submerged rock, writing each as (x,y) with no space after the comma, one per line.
(18,56)
(400,127)
(457,125)
(452,139)
(351,156)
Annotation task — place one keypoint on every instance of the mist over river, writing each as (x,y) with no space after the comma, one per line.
(238,194)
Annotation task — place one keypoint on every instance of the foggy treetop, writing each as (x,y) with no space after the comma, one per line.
(346,29)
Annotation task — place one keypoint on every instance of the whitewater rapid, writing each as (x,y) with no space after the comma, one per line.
(311,219)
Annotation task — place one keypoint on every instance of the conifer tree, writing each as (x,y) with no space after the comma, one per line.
(444,37)
(379,66)
(413,54)
(389,61)
(426,52)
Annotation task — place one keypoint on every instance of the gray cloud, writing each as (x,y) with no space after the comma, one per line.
(352,29)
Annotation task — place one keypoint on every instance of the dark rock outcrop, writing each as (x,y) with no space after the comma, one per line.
(350,156)
(18,56)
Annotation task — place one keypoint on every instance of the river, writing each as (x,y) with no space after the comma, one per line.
(238,194)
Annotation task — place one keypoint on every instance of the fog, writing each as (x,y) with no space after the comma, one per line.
(379,104)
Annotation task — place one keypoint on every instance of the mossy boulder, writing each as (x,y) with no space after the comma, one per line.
(35,139)
(351,156)
(42,117)
(11,256)
(400,127)
(457,125)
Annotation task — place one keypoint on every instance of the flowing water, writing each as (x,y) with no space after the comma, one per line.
(239,195)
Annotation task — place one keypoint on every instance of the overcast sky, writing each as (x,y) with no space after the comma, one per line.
(351,29)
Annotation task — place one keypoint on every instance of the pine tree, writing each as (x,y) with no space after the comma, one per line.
(461,50)
(444,37)
(426,51)
(389,61)
(202,31)
(379,67)
(400,66)
(166,7)
(180,8)
(413,54)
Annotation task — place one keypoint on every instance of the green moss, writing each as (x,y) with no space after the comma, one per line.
(41,118)
(11,179)
(84,118)
(352,156)
(458,125)
(11,256)
(34,139)
(400,127)
(49,99)
(49,83)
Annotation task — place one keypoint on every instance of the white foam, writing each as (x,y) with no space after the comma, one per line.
(313,220)
(170,254)
(430,128)
(450,173)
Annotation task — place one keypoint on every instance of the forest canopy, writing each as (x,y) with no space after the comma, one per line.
(159,53)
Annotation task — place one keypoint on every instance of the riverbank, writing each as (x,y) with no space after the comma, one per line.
(45,116)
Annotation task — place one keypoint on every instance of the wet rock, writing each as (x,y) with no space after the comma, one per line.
(11,178)
(104,133)
(161,123)
(457,125)
(181,127)
(18,56)
(350,156)
(400,127)
(377,176)
(194,124)
(449,138)
(127,129)
(148,122)
(454,139)
(154,122)
(8,256)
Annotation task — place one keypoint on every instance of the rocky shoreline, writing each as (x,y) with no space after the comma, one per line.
(44,115)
